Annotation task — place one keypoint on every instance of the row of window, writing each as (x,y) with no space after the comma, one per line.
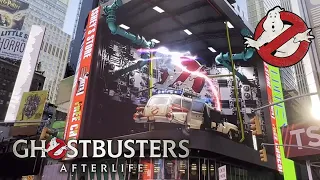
(172,169)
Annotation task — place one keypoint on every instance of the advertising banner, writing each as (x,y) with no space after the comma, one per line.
(12,43)
(302,139)
(278,119)
(26,71)
(79,95)
(31,107)
(12,13)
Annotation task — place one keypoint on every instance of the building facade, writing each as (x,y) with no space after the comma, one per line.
(54,51)
(8,75)
(57,9)
(84,8)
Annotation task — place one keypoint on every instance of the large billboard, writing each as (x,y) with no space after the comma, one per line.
(301,139)
(113,81)
(31,107)
(26,71)
(79,95)
(278,119)
(12,43)
(12,14)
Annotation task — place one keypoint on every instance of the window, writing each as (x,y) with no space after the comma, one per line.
(50,47)
(46,47)
(194,169)
(57,52)
(170,169)
(1,101)
(186,104)
(158,100)
(182,169)
(197,106)
(53,50)
(64,54)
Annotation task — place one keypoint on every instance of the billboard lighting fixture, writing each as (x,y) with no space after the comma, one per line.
(187,31)
(155,41)
(124,26)
(158,9)
(212,50)
(229,25)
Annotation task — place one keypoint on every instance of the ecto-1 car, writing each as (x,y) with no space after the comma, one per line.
(192,112)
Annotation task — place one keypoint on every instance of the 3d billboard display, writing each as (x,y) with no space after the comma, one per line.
(12,14)
(117,89)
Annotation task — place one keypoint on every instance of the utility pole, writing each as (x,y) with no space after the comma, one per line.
(285,100)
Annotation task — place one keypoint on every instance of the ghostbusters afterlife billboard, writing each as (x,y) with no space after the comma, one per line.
(113,94)
(12,14)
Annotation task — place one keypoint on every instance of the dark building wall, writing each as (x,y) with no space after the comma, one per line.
(86,7)
(8,75)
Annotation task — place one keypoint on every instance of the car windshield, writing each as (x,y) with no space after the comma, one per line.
(197,106)
(158,101)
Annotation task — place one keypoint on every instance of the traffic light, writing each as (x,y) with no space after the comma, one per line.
(263,155)
(46,133)
(255,126)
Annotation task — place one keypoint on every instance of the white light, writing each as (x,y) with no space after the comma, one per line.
(124,26)
(155,41)
(188,32)
(163,50)
(229,25)
(315,113)
(159,10)
(315,107)
(211,49)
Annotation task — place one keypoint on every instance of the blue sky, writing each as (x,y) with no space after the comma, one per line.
(71,16)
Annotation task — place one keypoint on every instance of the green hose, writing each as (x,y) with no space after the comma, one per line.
(235,85)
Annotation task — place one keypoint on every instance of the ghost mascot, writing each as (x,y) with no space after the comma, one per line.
(273,26)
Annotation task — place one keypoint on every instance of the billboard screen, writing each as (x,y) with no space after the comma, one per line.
(278,119)
(12,43)
(303,139)
(31,107)
(79,94)
(115,81)
(26,71)
(12,14)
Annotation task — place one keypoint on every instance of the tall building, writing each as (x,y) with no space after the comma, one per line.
(8,75)
(84,8)
(54,51)
(308,10)
(50,11)
(256,11)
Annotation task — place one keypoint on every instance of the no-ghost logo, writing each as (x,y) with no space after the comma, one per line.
(56,148)
(281,38)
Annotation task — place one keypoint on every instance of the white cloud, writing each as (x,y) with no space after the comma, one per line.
(315,2)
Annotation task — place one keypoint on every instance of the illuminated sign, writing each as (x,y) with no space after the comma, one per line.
(278,119)
(302,136)
(79,95)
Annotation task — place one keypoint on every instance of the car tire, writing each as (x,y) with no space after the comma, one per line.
(230,134)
